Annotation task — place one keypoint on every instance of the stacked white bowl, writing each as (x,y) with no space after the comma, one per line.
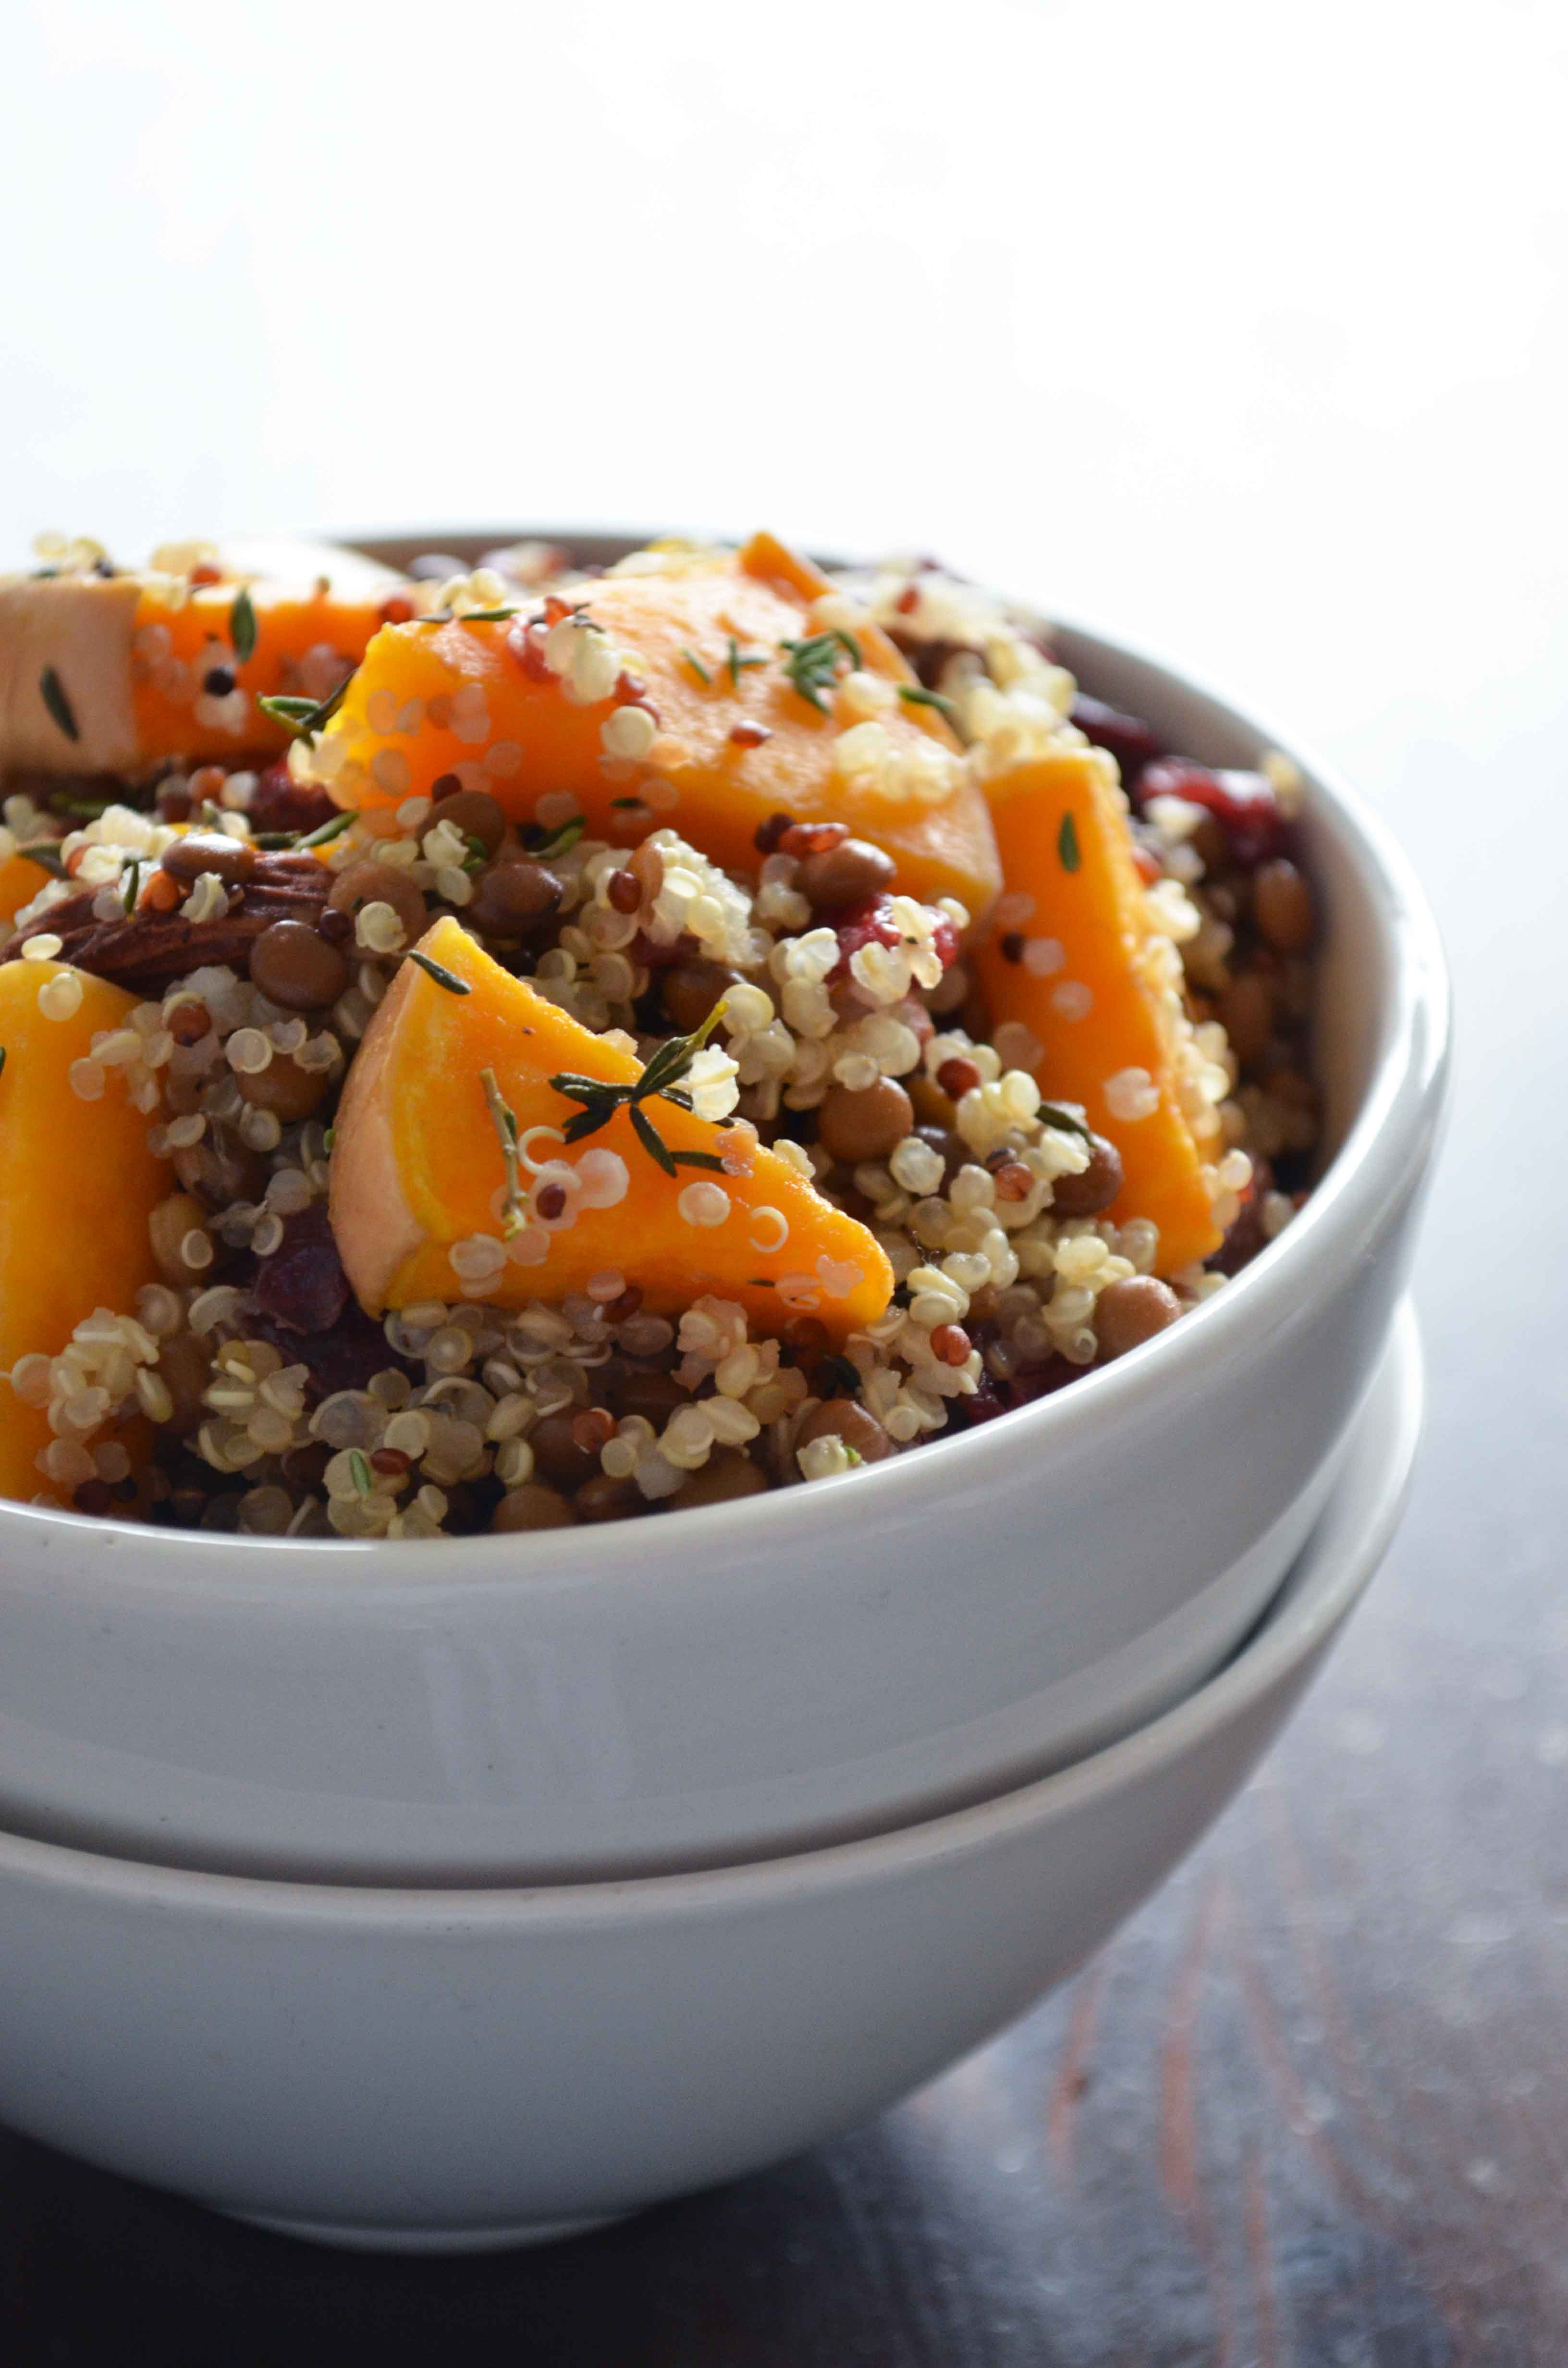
(450,1893)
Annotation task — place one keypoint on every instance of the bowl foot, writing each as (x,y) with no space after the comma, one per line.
(375,2239)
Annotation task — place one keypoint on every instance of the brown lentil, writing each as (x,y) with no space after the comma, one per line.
(604,1499)
(477,815)
(1282,908)
(851,1423)
(296,969)
(647,1391)
(727,1476)
(558,1458)
(167,1227)
(380,883)
(849,874)
(183,1368)
(864,1122)
(1245,1011)
(233,859)
(623,891)
(189,1022)
(1094,1189)
(951,1343)
(283,1087)
(512,897)
(533,1507)
(391,1461)
(691,989)
(805,838)
(1131,1311)
(1014,1181)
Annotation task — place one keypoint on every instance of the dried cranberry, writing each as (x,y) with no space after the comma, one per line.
(1243,803)
(1131,742)
(869,924)
(302,1285)
(279,803)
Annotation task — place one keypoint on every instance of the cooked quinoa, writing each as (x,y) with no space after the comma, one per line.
(262,925)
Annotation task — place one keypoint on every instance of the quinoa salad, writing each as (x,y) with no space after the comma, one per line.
(493,1051)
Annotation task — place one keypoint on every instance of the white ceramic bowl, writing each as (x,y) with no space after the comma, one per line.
(445,2068)
(708,1687)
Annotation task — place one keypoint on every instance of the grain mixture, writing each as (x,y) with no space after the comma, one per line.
(817,1005)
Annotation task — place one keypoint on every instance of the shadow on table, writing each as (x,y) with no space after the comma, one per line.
(794,2267)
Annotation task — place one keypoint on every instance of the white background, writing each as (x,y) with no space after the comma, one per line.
(1237,329)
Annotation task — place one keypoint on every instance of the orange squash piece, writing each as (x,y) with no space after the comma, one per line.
(1080,969)
(77,1186)
(20,880)
(703,645)
(418,1172)
(174,651)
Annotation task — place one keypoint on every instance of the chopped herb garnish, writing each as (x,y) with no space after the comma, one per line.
(662,1076)
(1,1060)
(1054,1115)
(241,624)
(505,1120)
(468,617)
(913,696)
(326,831)
(1067,847)
(440,974)
(737,663)
(52,691)
(565,838)
(328,1139)
(303,718)
(698,668)
(812,665)
(134,890)
(478,854)
(360,1471)
(45,853)
(626,802)
(852,1452)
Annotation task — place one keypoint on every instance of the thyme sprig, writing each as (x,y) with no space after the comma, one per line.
(505,1120)
(51,690)
(737,661)
(467,617)
(812,664)
(128,902)
(1069,853)
(45,853)
(440,974)
(1052,1114)
(303,718)
(661,1076)
(241,624)
(698,668)
(913,695)
(564,840)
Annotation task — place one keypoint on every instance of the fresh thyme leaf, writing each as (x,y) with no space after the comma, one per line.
(625,801)
(854,1455)
(1054,1115)
(653,1142)
(698,668)
(478,854)
(588,1122)
(52,691)
(326,831)
(1,1060)
(565,839)
(303,718)
(271,840)
(81,809)
(129,900)
(241,624)
(698,1159)
(1067,846)
(440,974)
(913,696)
(505,1120)
(812,664)
(360,1471)
(468,617)
(737,663)
(45,853)
(585,1090)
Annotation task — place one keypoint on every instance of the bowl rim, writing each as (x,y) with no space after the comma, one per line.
(1399,1113)
(1327,1581)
